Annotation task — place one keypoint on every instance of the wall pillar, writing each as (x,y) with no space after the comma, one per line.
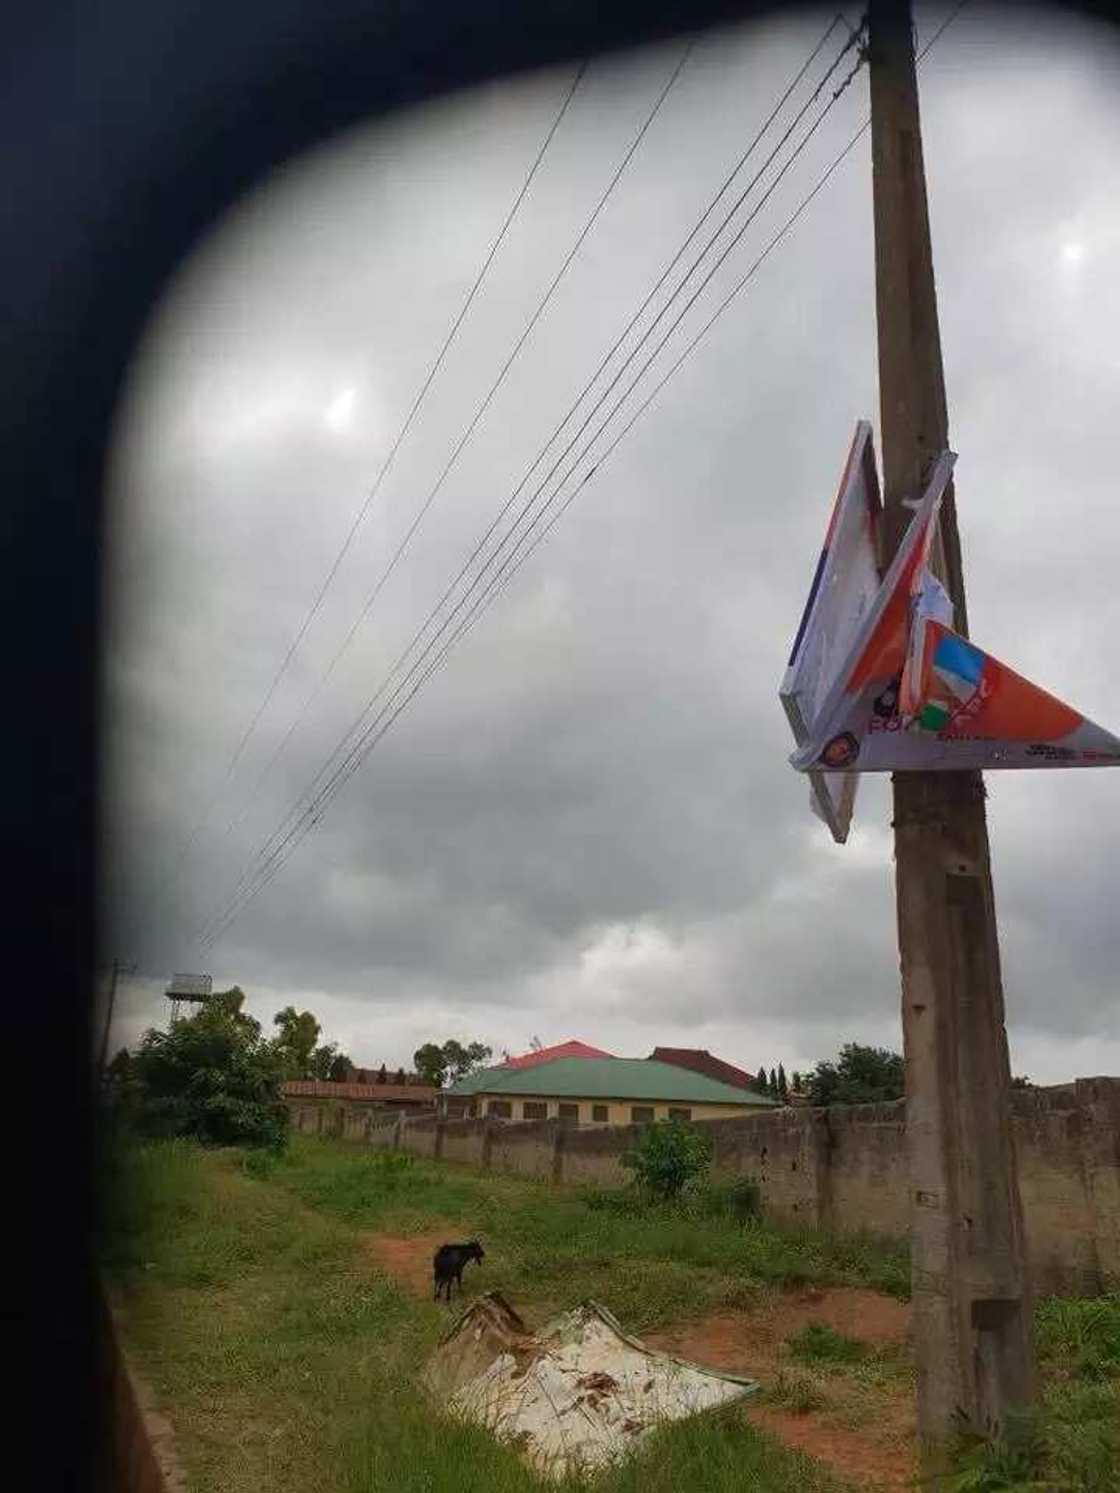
(1098,1101)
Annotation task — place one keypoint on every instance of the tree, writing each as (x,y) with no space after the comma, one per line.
(300,1051)
(382,1076)
(1022,1082)
(795,1082)
(762,1081)
(231,1001)
(341,1069)
(400,1076)
(299,1032)
(448,1064)
(772,1087)
(463,1060)
(212,1077)
(431,1064)
(669,1154)
(861,1075)
(783,1087)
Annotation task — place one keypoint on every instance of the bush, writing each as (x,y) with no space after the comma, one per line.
(211,1078)
(669,1155)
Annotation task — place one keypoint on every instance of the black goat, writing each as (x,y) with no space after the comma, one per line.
(447,1265)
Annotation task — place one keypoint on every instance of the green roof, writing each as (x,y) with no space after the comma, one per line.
(608,1078)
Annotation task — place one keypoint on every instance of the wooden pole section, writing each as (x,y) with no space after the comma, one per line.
(970,1296)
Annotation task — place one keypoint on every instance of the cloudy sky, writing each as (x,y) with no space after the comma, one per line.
(585,824)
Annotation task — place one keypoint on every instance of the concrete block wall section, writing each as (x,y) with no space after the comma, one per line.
(138,1453)
(842,1168)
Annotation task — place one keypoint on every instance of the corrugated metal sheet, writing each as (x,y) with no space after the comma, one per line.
(578,1395)
(571,1049)
(607,1078)
(700,1060)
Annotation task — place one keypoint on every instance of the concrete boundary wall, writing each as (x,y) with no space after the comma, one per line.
(842,1168)
(137,1454)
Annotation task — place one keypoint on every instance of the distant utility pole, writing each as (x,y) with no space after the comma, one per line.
(971,1302)
(119,968)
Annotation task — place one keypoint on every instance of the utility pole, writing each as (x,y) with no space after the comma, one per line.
(971,1306)
(118,969)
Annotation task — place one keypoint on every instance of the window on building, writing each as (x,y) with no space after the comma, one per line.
(600,1113)
(679,1114)
(641,1114)
(569,1114)
(534,1109)
(499,1108)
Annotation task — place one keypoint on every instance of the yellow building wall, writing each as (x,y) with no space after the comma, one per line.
(619,1112)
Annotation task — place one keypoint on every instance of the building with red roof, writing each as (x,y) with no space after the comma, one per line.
(700,1060)
(571,1049)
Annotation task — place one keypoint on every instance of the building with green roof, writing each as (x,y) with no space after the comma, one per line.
(599,1091)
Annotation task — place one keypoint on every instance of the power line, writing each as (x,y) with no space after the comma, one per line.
(310,793)
(267,861)
(317,801)
(360,516)
(635,318)
(509,569)
(435,368)
(464,438)
(499,584)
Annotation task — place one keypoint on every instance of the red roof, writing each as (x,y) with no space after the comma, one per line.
(370,1093)
(548,1054)
(700,1060)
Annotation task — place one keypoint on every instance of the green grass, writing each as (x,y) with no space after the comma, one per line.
(650,1264)
(286,1360)
(795,1392)
(819,1343)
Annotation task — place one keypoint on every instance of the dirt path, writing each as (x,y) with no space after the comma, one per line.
(408,1257)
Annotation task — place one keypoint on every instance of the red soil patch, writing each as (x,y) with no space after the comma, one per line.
(408,1258)
(753,1341)
(860,1457)
(877,1455)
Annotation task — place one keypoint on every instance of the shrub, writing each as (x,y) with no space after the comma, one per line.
(211,1078)
(669,1155)
(795,1393)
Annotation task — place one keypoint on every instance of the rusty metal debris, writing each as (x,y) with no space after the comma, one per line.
(576,1395)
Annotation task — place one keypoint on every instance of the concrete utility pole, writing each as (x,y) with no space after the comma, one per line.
(971,1302)
(118,969)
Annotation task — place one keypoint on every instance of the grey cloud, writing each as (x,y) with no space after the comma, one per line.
(585,825)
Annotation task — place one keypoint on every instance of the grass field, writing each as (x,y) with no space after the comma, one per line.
(285,1356)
